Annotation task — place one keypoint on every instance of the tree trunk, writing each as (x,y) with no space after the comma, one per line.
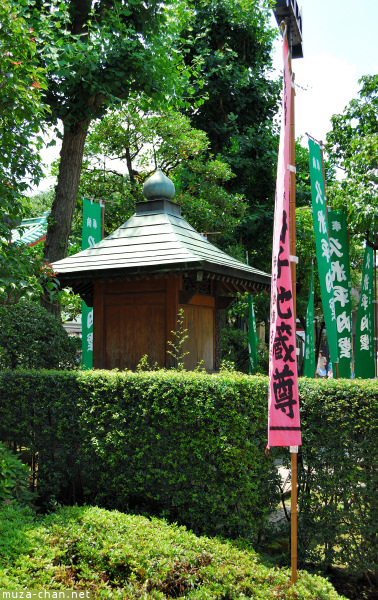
(60,219)
(62,210)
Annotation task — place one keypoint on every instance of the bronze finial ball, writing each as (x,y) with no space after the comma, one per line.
(158,187)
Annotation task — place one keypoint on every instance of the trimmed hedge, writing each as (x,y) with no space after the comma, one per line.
(338,474)
(191,447)
(186,446)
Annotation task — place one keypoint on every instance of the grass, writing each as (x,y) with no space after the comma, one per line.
(116,555)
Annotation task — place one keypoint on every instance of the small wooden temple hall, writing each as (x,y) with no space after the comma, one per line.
(138,278)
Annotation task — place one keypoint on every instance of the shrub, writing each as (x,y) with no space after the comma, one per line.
(188,446)
(13,479)
(338,474)
(191,447)
(32,338)
(116,555)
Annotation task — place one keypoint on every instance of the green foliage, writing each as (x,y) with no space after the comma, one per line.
(188,446)
(30,337)
(234,40)
(234,338)
(143,139)
(21,111)
(177,346)
(96,54)
(191,447)
(337,474)
(116,555)
(39,203)
(353,143)
(13,479)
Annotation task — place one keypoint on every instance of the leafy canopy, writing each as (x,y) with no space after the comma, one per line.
(353,142)
(127,146)
(22,82)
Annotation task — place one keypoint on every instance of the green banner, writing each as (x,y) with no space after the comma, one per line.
(252,337)
(319,214)
(309,354)
(364,365)
(340,262)
(91,236)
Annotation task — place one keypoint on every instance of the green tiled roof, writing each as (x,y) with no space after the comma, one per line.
(30,231)
(155,239)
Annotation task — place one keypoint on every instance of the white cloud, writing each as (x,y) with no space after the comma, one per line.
(325,85)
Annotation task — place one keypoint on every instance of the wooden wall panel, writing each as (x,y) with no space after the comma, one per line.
(131,331)
(134,318)
(135,285)
(98,326)
(199,321)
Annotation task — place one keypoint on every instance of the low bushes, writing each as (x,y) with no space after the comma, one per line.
(114,555)
(14,477)
(191,447)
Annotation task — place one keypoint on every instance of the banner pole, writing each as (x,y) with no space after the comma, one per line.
(375,312)
(293,268)
(293,514)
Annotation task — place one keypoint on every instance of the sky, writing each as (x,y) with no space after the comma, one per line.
(340,45)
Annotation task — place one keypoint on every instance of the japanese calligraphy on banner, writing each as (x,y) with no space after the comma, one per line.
(319,215)
(91,236)
(283,404)
(364,365)
(252,337)
(340,263)
(309,354)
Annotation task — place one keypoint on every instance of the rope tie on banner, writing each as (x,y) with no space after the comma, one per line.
(291,168)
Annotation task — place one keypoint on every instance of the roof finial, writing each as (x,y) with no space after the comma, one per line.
(158,187)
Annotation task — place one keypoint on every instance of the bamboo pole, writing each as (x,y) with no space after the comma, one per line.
(102,204)
(293,268)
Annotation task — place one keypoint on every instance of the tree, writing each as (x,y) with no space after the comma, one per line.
(353,142)
(235,42)
(140,141)
(95,53)
(21,111)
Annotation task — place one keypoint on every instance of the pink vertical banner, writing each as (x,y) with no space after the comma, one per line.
(283,404)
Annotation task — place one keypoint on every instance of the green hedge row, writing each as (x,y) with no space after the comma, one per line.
(191,447)
(338,474)
(186,446)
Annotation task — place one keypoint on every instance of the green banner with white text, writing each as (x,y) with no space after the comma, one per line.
(91,236)
(319,215)
(364,365)
(340,262)
(309,354)
(252,337)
